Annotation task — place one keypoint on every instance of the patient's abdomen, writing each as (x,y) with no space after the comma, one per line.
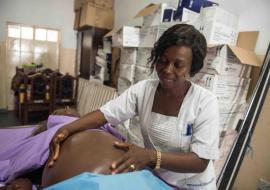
(87,151)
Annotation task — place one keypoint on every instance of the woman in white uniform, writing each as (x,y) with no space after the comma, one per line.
(178,119)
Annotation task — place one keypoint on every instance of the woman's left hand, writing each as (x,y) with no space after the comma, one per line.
(136,158)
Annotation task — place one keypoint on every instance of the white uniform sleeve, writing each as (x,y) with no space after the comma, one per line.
(123,107)
(205,136)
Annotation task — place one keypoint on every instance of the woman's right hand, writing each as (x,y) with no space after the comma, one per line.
(57,139)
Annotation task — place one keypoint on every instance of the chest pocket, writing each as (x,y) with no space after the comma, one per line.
(186,136)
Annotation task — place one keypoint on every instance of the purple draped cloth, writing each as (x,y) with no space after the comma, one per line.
(20,152)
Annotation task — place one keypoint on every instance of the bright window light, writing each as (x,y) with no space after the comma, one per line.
(27,33)
(52,35)
(41,34)
(14,31)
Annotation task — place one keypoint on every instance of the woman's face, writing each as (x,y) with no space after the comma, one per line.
(173,65)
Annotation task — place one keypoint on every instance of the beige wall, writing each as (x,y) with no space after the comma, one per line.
(3,102)
(257,165)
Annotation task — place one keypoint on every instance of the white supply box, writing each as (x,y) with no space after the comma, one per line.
(143,56)
(101,57)
(171,3)
(218,33)
(218,25)
(149,35)
(229,115)
(222,60)
(127,36)
(126,71)
(189,16)
(107,45)
(122,85)
(219,15)
(128,56)
(227,89)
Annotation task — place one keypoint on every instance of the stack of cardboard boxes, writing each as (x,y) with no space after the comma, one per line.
(227,75)
(136,44)
(96,13)
(218,25)
(228,64)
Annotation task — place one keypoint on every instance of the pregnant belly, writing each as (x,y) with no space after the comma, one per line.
(87,151)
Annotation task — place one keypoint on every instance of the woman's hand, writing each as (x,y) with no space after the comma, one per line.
(136,158)
(57,139)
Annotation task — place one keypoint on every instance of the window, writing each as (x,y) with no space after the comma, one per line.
(32,44)
(26,32)
(27,44)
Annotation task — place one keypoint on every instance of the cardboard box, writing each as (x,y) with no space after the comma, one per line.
(93,15)
(153,14)
(143,56)
(107,45)
(229,115)
(128,56)
(189,15)
(171,3)
(126,36)
(184,5)
(149,35)
(248,40)
(167,15)
(218,25)
(77,20)
(219,15)
(227,89)
(190,4)
(222,60)
(77,5)
(227,140)
(217,33)
(108,4)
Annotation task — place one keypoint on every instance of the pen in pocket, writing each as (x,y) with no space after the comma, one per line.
(189,129)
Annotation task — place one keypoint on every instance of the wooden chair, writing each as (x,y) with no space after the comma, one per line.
(37,95)
(92,95)
(65,90)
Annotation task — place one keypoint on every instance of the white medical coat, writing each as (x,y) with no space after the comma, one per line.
(199,109)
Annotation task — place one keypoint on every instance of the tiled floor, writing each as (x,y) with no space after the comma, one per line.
(8,119)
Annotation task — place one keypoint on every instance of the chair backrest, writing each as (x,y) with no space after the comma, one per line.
(92,95)
(38,88)
(65,89)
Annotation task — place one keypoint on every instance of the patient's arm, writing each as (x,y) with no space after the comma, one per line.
(87,151)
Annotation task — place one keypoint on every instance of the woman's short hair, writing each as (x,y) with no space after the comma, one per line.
(182,35)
